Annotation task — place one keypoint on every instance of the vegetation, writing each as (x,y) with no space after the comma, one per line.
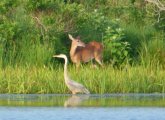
(132,31)
(136,79)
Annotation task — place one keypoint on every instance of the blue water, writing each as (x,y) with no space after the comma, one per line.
(91,113)
(82,107)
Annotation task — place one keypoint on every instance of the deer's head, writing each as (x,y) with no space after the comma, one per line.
(76,41)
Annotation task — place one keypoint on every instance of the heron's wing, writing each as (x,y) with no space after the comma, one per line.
(76,84)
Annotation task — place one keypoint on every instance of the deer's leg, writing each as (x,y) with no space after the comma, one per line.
(77,65)
(93,65)
(98,59)
(99,62)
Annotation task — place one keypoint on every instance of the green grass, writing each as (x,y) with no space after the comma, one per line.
(135,79)
(23,41)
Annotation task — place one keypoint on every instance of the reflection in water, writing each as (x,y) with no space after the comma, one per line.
(75,100)
(92,100)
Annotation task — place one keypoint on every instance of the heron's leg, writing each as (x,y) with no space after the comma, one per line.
(73,92)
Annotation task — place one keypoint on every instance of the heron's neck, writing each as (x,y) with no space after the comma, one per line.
(65,70)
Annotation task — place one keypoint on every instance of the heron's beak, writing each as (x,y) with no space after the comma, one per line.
(55,56)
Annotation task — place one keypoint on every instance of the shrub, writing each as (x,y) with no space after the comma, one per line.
(116,48)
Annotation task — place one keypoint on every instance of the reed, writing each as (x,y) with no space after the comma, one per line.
(135,79)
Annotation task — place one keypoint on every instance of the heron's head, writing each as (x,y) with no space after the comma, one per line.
(60,56)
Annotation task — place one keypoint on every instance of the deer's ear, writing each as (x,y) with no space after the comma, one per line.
(70,37)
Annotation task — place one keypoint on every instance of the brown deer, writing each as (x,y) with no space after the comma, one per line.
(81,52)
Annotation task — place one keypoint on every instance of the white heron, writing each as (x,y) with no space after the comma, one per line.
(73,86)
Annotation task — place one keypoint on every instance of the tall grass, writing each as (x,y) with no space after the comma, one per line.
(136,35)
(153,52)
(137,79)
(25,59)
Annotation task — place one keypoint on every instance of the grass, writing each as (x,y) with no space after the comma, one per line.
(135,79)
(24,42)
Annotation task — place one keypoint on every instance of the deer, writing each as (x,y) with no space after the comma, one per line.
(81,52)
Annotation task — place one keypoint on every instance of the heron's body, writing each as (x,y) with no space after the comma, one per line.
(75,87)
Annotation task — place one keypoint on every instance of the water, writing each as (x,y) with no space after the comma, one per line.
(83,107)
(59,113)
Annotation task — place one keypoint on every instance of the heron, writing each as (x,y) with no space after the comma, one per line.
(73,86)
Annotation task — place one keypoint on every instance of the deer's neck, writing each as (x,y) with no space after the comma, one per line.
(73,50)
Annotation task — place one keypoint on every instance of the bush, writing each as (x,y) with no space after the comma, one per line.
(22,36)
(116,48)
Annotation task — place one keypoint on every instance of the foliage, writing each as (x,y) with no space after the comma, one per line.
(116,49)
(31,31)
(95,23)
